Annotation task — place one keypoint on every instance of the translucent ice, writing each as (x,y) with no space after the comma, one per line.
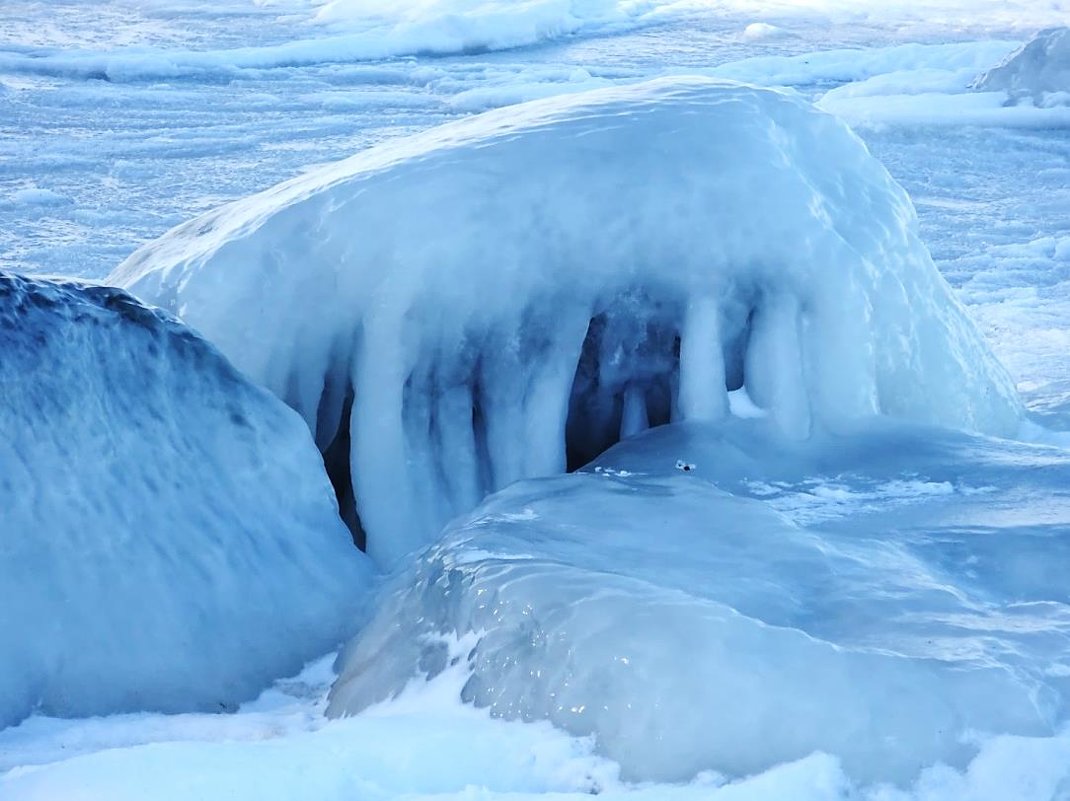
(168,539)
(512,293)
(689,625)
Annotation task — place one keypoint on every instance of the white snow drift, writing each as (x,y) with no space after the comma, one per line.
(512,293)
(167,537)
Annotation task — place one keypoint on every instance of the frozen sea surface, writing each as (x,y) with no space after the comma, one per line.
(119,120)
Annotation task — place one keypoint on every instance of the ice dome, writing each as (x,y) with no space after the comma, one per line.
(508,295)
(168,539)
(1040,65)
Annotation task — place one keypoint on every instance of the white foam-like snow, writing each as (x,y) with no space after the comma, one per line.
(168,539)
(281,747)
(424,744)
(512,293)
(687,626)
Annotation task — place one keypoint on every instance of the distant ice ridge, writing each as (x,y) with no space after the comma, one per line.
(689,627)
(451,26)
(350,30)
(1039,67)
(168,539)
(508,295)
(172,39)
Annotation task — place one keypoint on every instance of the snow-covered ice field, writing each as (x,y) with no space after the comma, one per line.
(721,609)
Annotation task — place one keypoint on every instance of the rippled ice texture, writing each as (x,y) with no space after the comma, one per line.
(660,602)
(168,540)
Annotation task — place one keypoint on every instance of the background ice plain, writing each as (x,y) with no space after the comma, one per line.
(168,538)
(510,294)
(688,626)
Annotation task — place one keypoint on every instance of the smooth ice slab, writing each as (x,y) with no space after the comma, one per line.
(168,539)
(511,294)
(882,598)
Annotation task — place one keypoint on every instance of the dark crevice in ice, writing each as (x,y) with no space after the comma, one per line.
(627,378)
(336,459)
(479,433)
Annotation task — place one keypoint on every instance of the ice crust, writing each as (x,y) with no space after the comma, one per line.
(688,626)
(168,539)
(1040,66)
(510,294)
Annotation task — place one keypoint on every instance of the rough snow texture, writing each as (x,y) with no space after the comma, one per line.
(691,629)
(510,294)
(1040,66)
(425,745)
(167,538)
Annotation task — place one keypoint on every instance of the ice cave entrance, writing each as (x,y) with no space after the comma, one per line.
(628,375)
(507,295)
(626,378)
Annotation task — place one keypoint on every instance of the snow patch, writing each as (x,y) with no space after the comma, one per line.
(759,31)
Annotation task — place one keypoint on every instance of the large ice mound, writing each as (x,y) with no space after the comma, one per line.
(510,294)
(1040,66)
(168,539)
(690,629)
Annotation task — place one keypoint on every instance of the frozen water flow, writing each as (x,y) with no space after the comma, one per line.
(168,538)
(508,295)
(676,617)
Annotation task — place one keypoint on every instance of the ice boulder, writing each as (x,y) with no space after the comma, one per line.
(1040,66)
(168,538)
(508,295)
(688,629)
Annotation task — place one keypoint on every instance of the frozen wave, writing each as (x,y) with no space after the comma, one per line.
(678,619)
(168,539)
(508,295)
